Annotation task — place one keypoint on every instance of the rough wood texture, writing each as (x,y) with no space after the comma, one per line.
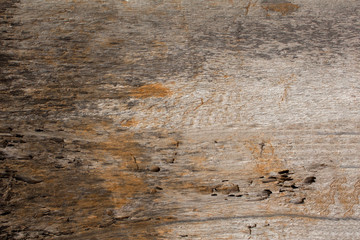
(179,119)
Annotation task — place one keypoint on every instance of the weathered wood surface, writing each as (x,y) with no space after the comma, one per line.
(172,119)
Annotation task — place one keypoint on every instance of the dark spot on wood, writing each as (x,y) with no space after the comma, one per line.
(309,180)
(267,191)
(4,144)
(67,38)
(227,188)
(297,200)
(57,140)
(5,129)
(285,178)
(250,227)
(284,171)
(122,218)
(26,179)
(154,169)
(169,160)
(5,212)
(269,180)
(262,145)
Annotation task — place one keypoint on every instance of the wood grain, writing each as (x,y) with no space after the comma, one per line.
(175,119)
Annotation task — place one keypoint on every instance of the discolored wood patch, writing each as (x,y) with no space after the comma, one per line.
(156,90)
(283,8)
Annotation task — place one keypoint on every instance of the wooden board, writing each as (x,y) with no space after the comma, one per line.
(179,119)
